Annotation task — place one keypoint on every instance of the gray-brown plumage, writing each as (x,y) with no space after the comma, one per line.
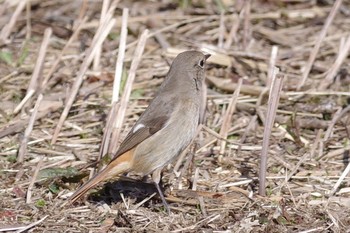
(166,127)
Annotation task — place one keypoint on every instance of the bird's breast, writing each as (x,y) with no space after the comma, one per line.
(165,145)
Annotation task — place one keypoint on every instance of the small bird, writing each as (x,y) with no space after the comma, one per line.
(166,127)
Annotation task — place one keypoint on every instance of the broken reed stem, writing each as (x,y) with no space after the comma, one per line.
(175,25)
(304,158)
(246,25)
(28,20)
(36,80)
(226,121)
(343,53)
(274,96)
(6,30)
(337,116)
(128,88)
(319,40)
(32,181)
(63,51)
(97,58)
(329,130)
(232,35)
(222,30)
(246,131)
(121,55)
(272,64)
(341,178)
(23,147)
(98,39)
(105,144)
(25,229)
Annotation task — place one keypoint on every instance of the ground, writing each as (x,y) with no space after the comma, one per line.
(50,143)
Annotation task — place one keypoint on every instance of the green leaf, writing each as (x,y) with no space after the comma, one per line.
(137,93)
(23,56)
(12,158)
(57,172)
(54,188)
(40,203)
(6,57)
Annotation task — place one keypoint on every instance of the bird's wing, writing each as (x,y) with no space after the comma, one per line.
(141,134)
(151,121)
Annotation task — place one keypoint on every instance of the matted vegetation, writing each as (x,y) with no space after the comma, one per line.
(56,89)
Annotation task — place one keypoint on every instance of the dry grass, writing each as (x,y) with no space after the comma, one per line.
(216,188)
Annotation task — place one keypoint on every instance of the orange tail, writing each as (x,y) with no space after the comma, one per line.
(117,166)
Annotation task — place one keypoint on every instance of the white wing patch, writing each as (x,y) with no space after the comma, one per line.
(137,127)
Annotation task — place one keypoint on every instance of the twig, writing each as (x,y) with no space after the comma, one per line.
(128,87)
(143,201)
(108,130)
(246,25)
(35,82)
(341,178)
(116,87)
(336,65)
(232,35)
(338,115)
(319,40)
(246,131)
(270,117)
(6,30)
(23,148)
(98,39)
(32,181)
(32,225)
(272,65)
(66,46)
(228,85)
(222,30)
(121,55)
(97,57)
(28,20)
(226,121)
(305,156)
(159,36)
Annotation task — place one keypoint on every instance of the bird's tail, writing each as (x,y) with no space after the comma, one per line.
(117,166)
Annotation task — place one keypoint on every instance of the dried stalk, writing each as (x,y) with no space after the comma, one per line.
(6,30)
(23,148)
(343,53)
(32,181)
(246,24)
(63,51)
(319,40)
(272,64)
(270,118)
(127,90)
(226,121)
(97,58)
(98,39)
(112,118)
(35,82)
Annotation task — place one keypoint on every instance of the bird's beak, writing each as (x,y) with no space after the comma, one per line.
(207,56)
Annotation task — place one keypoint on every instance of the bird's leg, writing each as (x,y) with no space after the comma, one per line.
(156,180)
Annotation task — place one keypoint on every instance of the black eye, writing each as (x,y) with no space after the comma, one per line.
(201,63)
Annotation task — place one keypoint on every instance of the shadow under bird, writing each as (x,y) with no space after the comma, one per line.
(166,127)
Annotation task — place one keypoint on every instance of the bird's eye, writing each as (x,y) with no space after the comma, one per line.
(201,63)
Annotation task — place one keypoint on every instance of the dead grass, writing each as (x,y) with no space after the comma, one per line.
(215,189)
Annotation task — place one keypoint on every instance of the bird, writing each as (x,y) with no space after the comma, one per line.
(164,129)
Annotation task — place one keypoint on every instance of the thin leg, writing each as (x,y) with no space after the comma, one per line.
(156,179)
